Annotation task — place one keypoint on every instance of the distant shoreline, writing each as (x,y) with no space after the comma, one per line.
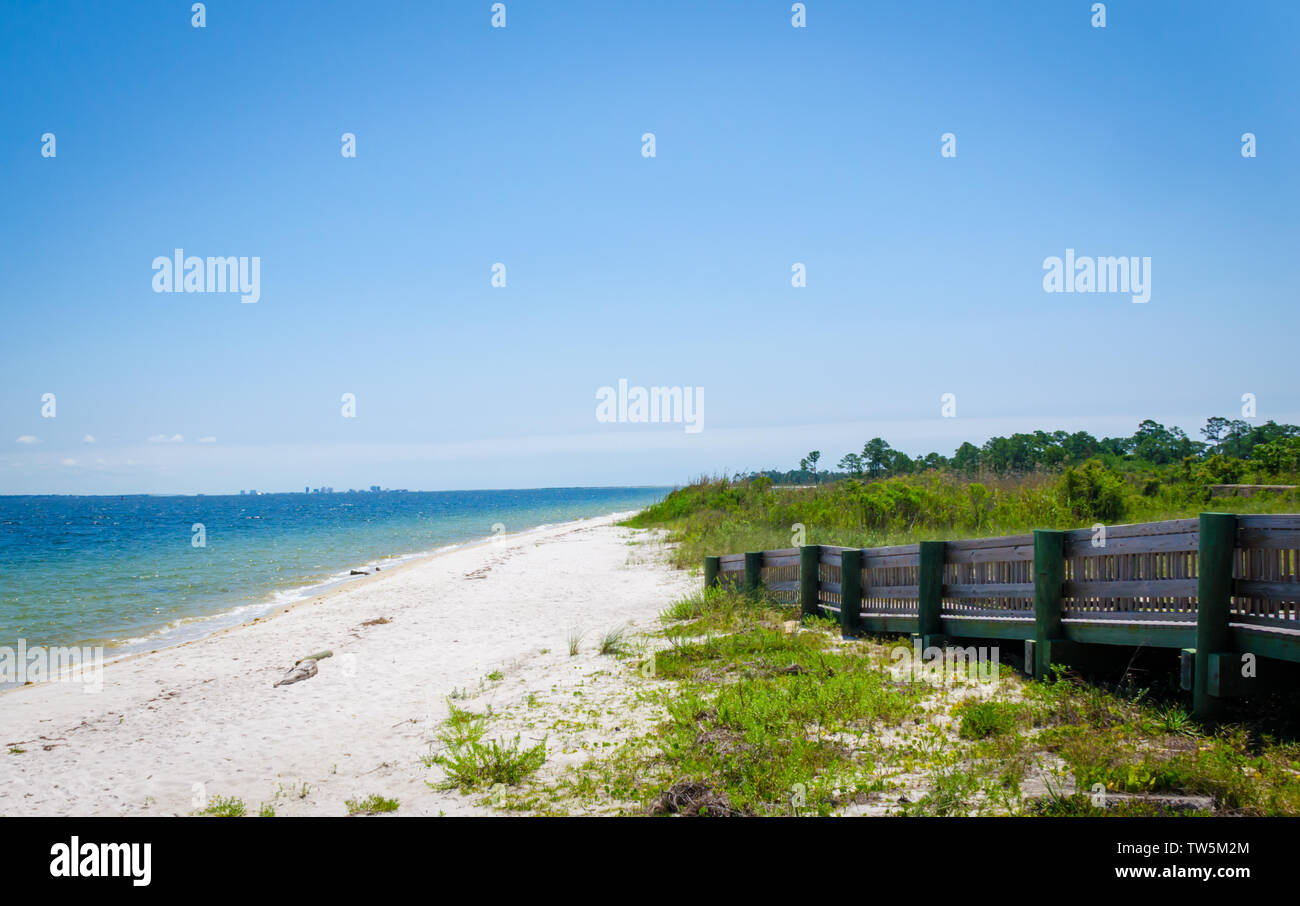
(271,609)
(576,487)
(126,576)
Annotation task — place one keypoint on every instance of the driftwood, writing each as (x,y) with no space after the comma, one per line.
(303,669)
(694,798)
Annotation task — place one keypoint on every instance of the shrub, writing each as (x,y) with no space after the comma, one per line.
(980,720)
(1093,492)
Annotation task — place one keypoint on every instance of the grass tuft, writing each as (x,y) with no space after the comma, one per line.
(371,805)
(614,641)
(223,807)
(471,763)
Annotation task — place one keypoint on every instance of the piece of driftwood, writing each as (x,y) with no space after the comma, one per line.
(303,669)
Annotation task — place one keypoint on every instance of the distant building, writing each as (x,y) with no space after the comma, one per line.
(374,488)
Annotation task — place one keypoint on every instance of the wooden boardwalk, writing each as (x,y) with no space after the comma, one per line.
(1225,585)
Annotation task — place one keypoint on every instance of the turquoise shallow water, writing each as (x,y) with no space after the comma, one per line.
(123,572)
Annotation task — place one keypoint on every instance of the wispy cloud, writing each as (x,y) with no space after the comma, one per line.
(28,439)
(207,440)
(164,439)
(88,439)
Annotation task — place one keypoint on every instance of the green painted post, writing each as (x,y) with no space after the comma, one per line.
(850,592)
(1049,574)
(930,599)
(810,557)
(1187,669)
(1218,538)
(712,566)
(753,571)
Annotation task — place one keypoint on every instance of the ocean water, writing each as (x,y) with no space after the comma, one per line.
(124,573)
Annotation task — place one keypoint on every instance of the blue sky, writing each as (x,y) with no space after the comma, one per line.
(522,145)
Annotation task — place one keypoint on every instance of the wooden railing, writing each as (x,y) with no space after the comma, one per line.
(1221,584)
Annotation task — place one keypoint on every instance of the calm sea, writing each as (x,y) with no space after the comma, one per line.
(124,572)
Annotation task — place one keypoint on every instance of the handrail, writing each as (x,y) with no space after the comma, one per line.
(1222,584)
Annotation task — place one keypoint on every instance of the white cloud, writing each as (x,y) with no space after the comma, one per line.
(207,440)
(88,439)
(69,462)
(164,439)
(28,439)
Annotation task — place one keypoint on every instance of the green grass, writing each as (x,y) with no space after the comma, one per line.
(372,804)
(720,516)
(982,719)
(761,721)
(754,720)
(614,641)
(472,764)
(720,610)
(223,807)
(1131,745)
(479,765)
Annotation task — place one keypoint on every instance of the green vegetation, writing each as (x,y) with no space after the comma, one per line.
(471,763)
(1129,744)
(372,804)
(759,716)
(223,807)
(1270,446)
(762,721)
(1047,481)
(266,811)
(614,641)
(753,709)
(982,719)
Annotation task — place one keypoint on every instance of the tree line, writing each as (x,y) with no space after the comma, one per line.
(1274,447)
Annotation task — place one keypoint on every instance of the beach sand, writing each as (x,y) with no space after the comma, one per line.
(204,719)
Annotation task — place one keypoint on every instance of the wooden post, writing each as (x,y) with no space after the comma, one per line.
(1218,538)
(712,566)
(1049,574)
(753,571)
(930,600)
(1187,669)
(810,558)
(850,592)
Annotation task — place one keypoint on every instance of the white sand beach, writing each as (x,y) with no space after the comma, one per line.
(205,717)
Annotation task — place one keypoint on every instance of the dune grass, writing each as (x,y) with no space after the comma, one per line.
(223,807)
(472,764)
(371,805)
(759,720)
(720,516)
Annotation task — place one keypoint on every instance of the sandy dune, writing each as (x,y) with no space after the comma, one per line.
(205,718)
